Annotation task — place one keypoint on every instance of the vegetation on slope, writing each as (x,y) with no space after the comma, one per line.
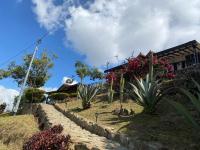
(15,130)
(105,118)
(165,126)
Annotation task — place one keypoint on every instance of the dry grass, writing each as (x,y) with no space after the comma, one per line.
(14,130)
(106,118)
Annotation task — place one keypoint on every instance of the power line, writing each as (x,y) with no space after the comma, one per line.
(23,50)
(20,52)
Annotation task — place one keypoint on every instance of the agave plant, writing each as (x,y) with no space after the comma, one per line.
(195,99)
(87,94)
(146,92)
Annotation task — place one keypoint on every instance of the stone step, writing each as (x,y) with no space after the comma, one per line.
(83,139)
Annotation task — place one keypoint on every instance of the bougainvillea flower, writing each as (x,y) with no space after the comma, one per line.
(162,61)
(134,63)
(170,68)
(170,75)
(123,71)
(155,60)
(111,76)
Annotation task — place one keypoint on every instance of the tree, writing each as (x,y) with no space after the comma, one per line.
(2,107)
(22,102)
(82,70)
(34,95)
(38,74)
(95,74)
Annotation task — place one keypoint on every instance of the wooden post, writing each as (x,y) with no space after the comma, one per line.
(195,54)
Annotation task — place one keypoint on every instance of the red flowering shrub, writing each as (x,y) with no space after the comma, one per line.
(165,70)
(139,67)
(111,76)
(50,139)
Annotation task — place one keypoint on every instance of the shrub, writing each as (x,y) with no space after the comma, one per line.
(139,67)
(194,98)
(34,95)
(50,139)
(2,107)
(59,96)
(23,101)
(72,94)
(187,74)
(87,94)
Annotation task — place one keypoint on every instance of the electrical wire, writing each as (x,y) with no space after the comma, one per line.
(20,52)
(23,50)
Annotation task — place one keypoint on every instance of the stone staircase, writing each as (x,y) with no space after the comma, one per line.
(82,139)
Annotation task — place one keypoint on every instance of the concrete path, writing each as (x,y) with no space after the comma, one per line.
(79,135)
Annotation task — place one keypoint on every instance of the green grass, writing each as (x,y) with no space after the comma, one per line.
(165,126)
(14,130)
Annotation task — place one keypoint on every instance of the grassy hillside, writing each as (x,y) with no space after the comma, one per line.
(105,118)
(166,126)
(14,130)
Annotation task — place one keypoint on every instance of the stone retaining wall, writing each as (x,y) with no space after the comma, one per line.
(103,131)
(40,114)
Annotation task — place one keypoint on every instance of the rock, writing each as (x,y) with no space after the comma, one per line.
(121,111)
(132,112)
(117,137)
(80,146)
(124,112)
(154,145)
(124,139)
(110,135)
(116,111)
(131,146)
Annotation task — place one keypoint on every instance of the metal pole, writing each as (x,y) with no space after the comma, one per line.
(26,77)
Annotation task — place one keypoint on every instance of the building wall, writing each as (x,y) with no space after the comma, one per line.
(184,61)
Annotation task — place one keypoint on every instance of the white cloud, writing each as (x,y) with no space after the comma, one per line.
(7,96)
(106,28)
(68,78)
(48,14)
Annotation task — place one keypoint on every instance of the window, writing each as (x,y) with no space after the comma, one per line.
(183,64)
(190,59)
(175,66)
(198,57)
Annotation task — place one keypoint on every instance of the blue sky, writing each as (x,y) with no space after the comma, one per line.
(94,31)
(19,28)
